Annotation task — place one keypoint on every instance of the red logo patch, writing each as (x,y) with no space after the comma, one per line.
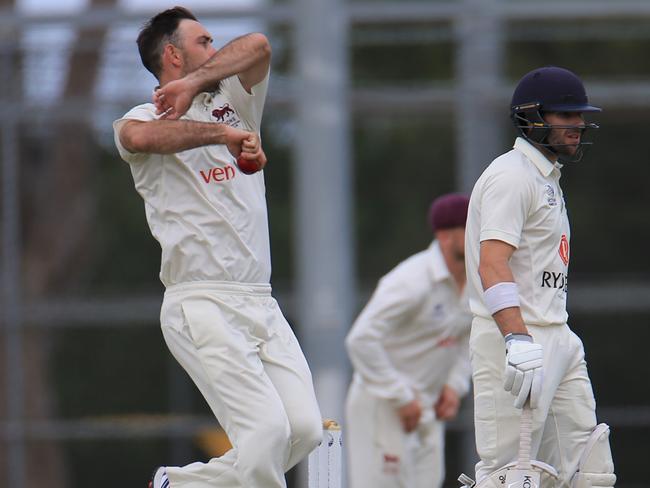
(221,112)
(447,342)
(391,464)
(564,250)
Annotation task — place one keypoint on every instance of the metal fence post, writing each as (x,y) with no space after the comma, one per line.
(11,283)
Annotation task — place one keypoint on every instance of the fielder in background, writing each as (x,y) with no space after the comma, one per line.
(218,317)
(518,248)
(411,363)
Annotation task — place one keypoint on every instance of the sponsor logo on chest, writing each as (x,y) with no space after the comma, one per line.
(557,280)
(218,174)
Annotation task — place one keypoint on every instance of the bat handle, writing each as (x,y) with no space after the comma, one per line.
(525,434)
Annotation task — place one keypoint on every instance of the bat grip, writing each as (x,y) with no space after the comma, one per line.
(525,433)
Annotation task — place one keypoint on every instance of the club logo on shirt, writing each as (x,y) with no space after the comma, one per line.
(221,112)
(439,311)
(564,250)
(226,115)
(549,191)
(217,174)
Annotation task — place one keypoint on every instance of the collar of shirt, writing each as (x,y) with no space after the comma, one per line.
(437,266)
(540,161)
(203,98)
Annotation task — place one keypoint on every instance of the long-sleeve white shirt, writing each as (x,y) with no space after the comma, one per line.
(412,336)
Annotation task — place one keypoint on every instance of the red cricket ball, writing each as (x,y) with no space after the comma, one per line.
(248,166)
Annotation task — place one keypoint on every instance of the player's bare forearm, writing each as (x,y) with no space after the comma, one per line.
(494,268)
(248,56)
(510,321)
(170,136)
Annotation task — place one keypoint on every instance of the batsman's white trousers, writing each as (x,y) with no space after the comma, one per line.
(566,414)
(381,454)
(241,353)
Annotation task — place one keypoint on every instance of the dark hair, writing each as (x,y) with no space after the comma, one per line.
(158,31)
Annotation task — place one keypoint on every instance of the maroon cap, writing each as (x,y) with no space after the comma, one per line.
(448,211)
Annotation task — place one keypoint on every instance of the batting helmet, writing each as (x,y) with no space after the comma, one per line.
(548,89)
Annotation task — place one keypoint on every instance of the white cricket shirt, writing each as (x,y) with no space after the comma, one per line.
(413,333)
(518,200)
(209,218)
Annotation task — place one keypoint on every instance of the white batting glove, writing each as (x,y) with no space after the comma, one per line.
(523,374)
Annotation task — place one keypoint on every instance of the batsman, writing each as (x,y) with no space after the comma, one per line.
(522,350)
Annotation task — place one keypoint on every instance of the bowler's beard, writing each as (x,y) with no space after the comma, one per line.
(188,68)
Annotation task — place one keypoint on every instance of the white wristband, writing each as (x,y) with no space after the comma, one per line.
(500,296)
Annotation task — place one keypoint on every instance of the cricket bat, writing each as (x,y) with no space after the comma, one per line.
(522,475)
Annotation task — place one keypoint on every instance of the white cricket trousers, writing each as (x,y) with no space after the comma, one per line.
(241,353)
(381,455)
(566,414)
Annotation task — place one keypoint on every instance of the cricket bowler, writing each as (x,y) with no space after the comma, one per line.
(209,215)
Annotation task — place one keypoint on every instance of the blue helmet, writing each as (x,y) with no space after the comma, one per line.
(548,89)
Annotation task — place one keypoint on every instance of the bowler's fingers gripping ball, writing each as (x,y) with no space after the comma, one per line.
(248,166)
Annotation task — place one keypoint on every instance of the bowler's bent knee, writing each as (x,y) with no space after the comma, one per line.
(306,434)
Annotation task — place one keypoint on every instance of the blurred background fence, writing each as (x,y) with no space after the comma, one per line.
(374,108)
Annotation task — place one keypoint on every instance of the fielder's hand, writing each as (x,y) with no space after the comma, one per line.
(523,374)
(410,414)
(447,405)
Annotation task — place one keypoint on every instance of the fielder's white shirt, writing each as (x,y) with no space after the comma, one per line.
(518,200)
(413,333)
(209,218)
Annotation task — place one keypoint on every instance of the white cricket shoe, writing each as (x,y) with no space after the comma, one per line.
(159,478)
